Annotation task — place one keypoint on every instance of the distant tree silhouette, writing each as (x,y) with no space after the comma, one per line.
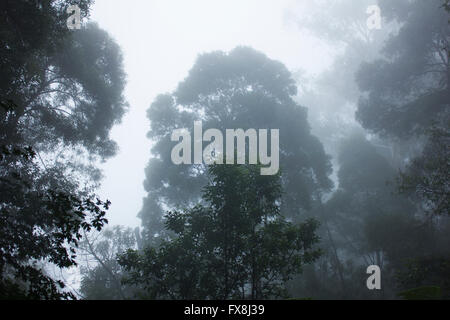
(240,89)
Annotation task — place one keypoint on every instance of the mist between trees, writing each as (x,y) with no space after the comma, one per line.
(358,172)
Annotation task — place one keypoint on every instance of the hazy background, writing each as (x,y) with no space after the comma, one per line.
(161,39)
(363,111)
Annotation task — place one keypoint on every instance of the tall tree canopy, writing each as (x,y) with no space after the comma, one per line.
(405,99)
(240,89)
(67,85)
(406,95)
(408,89)
(61,92)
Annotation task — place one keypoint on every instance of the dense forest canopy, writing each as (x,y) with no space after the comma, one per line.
(60,93)
(363,179)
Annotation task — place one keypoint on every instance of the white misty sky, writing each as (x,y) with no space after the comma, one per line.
(160,40)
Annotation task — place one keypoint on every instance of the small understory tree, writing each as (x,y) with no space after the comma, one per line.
(235,245)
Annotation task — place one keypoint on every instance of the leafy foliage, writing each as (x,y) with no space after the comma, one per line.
(407,89)
(60,94)
(240,89)
(429,276)
(422,293)
(237,245)
(38,224)
(428,175)
(67,85)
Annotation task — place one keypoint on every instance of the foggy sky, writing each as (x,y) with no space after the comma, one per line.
(160,40)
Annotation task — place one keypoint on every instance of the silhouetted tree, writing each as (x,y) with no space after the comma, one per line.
(240,89)
(236,245)
(407,95)
(67,85)
(38,223)
(408,89)
(61,91)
